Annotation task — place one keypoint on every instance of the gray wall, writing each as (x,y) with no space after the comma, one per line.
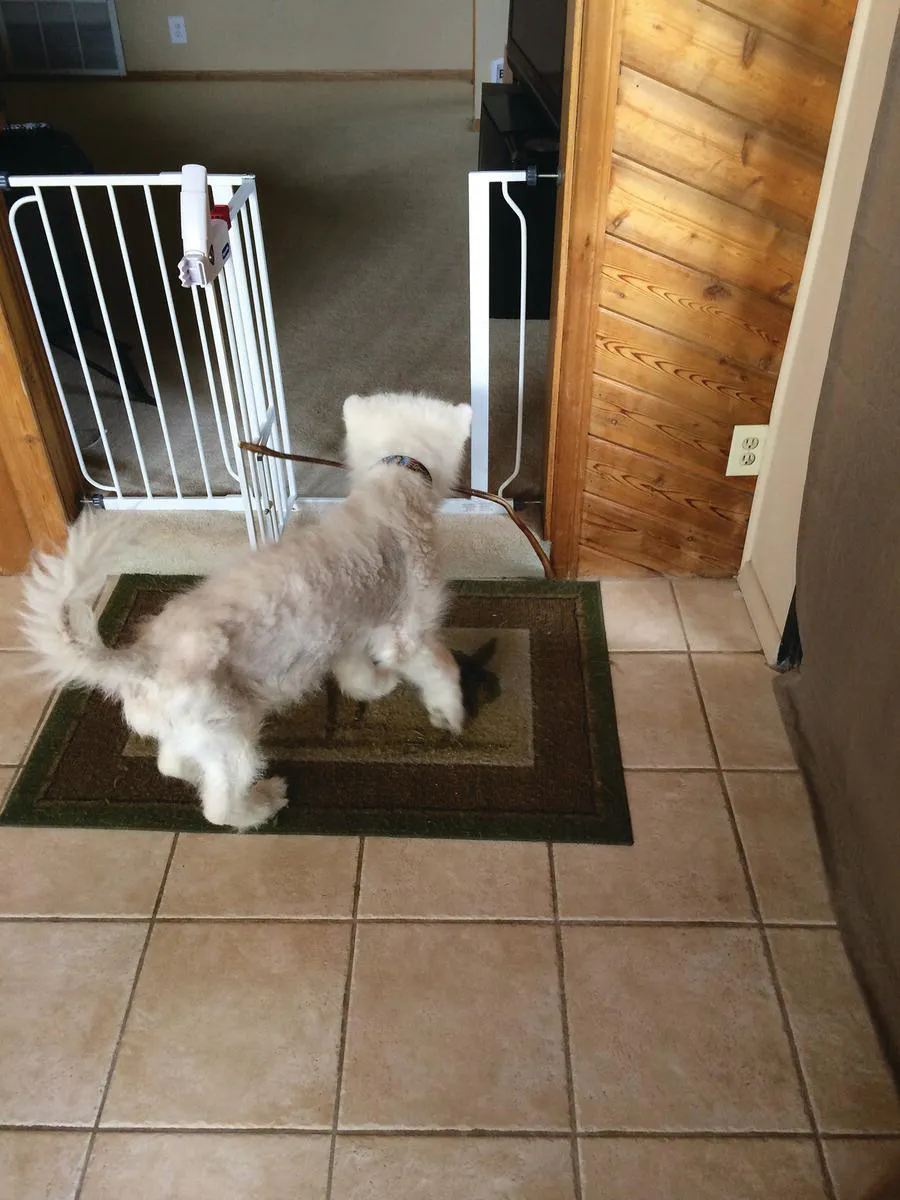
(844,702)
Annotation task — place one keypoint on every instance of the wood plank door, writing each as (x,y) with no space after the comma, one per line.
(693,154)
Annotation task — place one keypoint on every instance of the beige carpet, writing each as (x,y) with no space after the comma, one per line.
(364,204)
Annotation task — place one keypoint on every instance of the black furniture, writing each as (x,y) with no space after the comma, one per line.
(516,133)
(536,50)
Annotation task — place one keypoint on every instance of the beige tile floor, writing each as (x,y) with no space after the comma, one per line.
(308,1018)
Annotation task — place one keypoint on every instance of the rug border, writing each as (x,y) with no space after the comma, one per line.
(613,827)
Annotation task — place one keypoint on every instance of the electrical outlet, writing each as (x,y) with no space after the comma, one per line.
(496,70)
(177,31)
(748,445)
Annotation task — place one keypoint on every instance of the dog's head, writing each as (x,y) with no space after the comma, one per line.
(432,431)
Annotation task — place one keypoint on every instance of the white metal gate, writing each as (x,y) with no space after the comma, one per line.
(192,378)
(92,253)
(480,183)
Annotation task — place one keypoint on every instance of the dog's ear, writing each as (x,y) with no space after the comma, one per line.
(351,404)
(463,415)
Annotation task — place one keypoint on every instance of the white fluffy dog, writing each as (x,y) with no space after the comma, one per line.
(359,594)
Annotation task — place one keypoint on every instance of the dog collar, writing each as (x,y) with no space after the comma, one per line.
(411,464)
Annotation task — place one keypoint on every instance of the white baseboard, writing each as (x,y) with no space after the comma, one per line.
(760,614)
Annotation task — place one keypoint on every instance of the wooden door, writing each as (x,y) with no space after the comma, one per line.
(693,154)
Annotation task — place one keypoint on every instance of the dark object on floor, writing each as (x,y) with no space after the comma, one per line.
(539,759)
(42,150)
(790,652)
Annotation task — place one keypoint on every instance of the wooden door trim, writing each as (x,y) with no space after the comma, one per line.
(40,481)
(593,51)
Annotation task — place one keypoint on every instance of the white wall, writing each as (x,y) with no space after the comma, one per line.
(299,35)
(491,23)
(768,572)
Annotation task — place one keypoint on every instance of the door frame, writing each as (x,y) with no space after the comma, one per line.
(40,484)
(591,83)
(767,575)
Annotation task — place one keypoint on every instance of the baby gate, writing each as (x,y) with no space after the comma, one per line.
(192,377)
(212,371)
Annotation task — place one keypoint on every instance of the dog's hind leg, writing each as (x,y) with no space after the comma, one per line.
(360,678)
(435,672)
(230,788)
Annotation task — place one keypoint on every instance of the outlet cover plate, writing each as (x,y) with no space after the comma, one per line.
(178,31)
(748,447)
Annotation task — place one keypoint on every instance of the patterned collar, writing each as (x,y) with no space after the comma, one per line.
(411,464)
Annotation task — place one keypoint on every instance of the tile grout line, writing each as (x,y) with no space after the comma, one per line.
(481,1132)
(717,765)
(128,1006)
(49,703)
(16,767)
(689,649)
(55,693)
(682,653)
(447,922)
(785,1014)
(345,1017)
(764,938)
(830,1189)
(564,1018)
(646,768)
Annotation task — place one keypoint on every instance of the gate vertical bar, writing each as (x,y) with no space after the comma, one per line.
(274,355)
(176,334)
(79,345)
(142,328)
(45,341)
(110,337)
(228,397)
(523,312)
(479,323)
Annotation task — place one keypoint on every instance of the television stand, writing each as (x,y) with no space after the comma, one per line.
(516,133)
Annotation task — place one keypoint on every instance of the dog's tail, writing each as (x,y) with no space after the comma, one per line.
(58,618)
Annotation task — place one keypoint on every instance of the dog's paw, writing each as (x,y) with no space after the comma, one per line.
(264,800)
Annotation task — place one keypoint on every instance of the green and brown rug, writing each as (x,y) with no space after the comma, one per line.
(539,758)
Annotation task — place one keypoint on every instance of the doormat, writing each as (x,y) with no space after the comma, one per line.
(538,760)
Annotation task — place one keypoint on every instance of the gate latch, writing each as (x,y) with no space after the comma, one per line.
(204,232)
